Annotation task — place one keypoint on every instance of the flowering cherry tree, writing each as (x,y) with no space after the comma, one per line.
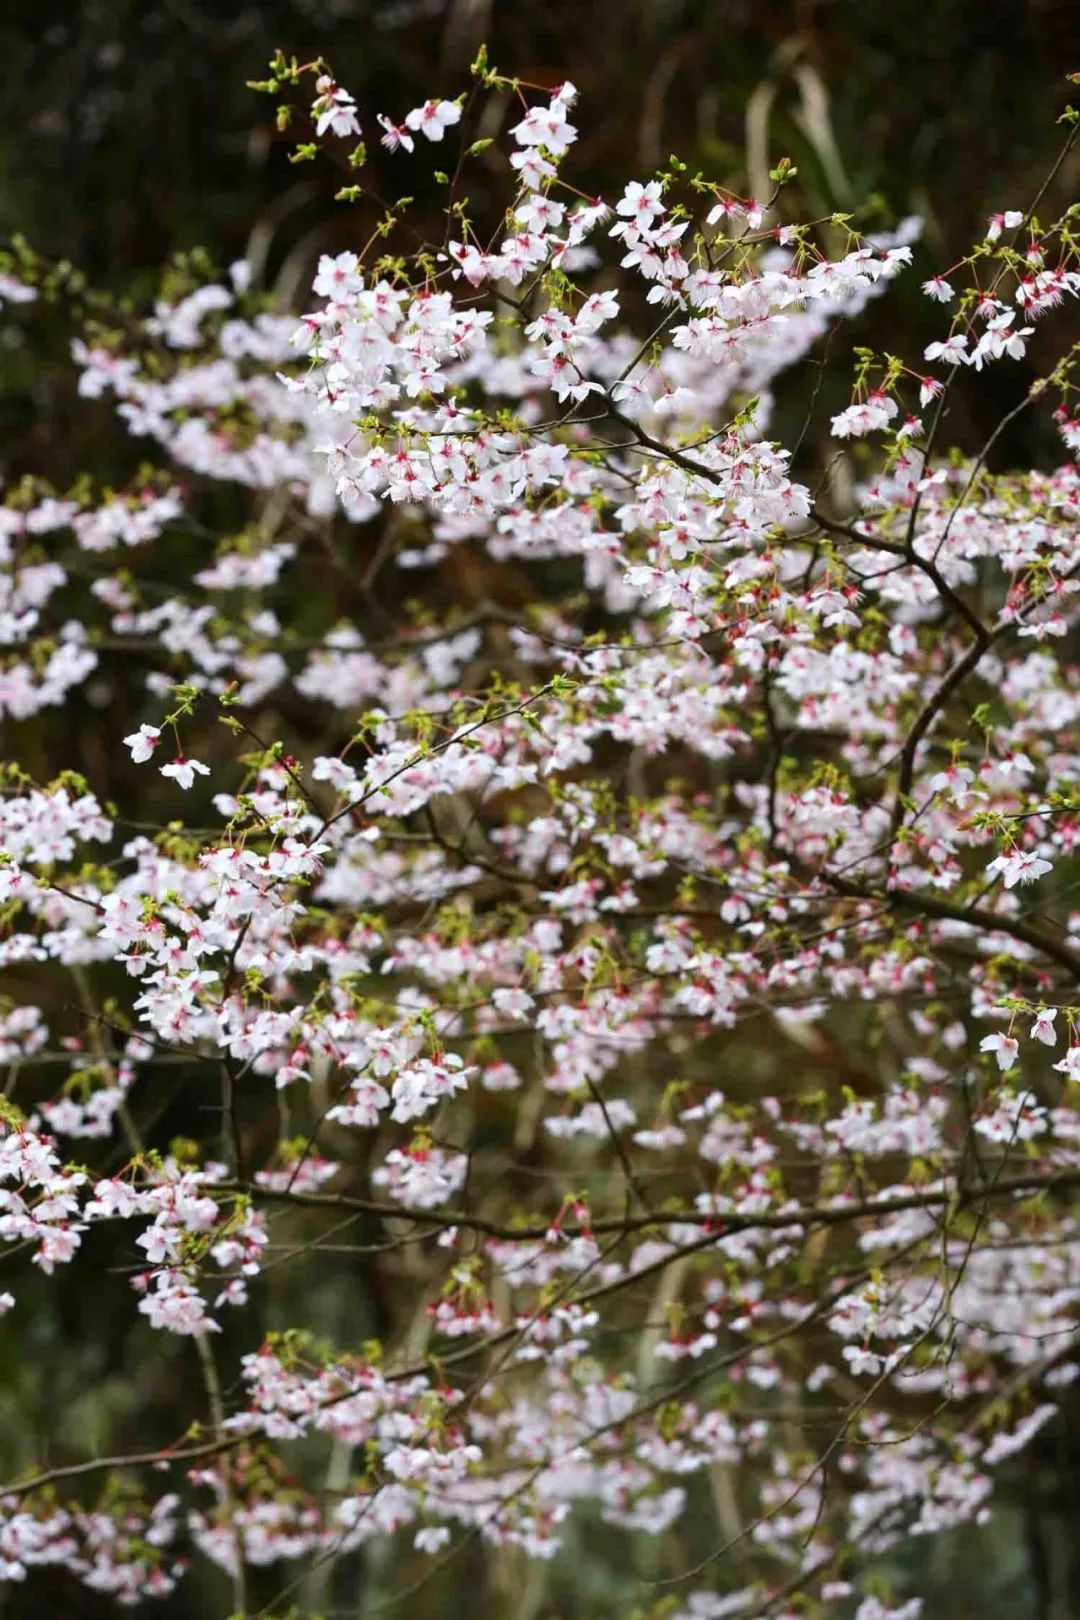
(631,939)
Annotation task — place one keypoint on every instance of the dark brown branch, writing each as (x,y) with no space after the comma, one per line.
(724,1225)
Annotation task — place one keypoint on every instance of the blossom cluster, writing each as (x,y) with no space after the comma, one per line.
(639,949)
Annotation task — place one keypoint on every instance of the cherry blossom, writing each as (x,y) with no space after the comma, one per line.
(875,412)
(1007,221)
(334,110)
(1020,866)
(142,743)
(1004,1048)
(587,966)
(433,119)
(183,771)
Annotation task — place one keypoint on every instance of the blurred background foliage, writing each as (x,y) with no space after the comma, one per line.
(128,134)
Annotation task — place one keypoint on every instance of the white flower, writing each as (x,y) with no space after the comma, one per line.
(334,110)
(14,291)
(951,351)
(396,135)
(142,743)
(1003,1047)
(434,118)
(1043,1028)
(183,771)
(864,417)
(431,1538)
(999,339)
(641,203)
(1070,1064)
(1020,866)
(873,1609)
(338,275)
(861,1360)
(1003,222)
(1016,1119)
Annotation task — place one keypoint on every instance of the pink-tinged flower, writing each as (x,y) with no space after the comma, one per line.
(999,339)
(1043,1028)
(13,291)
(395,135)
(1020,866)
(938,288)
(338,275)
(864,417)
(723,209)
(860,1360)
(183,771)
(1069,428)
(546,127)
(434,118)
(1052,625)
(142,743)
(335,109)
(1003,1047)
(1003,222)
(474,265)
(952,351)
(1070,1064)
(641,203)
(431,1538)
